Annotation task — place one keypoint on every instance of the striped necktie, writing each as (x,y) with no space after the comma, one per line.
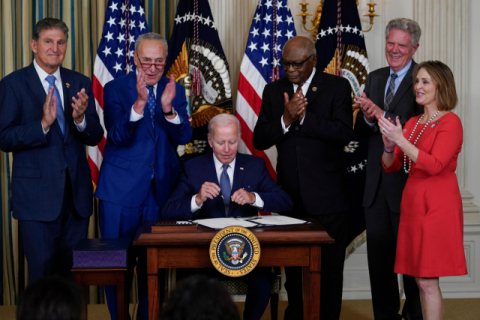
(390,91)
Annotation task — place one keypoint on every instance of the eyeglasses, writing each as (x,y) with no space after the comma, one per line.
(147,65)
(296,65)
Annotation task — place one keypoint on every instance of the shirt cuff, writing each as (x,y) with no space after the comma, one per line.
(301,122)
(258,201)
(44,131)
(175,120)
(285,130)
(135,116)
(82,125)
(371,124)
(193,204)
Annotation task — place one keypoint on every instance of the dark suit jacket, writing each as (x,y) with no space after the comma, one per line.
(404,106)
(134,148)
(39,160)
(310,156)
(250,173)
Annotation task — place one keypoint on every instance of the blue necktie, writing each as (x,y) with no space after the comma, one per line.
(390,91)
(151,104)
(60,116)
(226,188)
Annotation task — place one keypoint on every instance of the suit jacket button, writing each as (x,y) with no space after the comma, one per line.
(151,166)
(298,148)
(63,171)
(64,147)
(181,132)
(296,128)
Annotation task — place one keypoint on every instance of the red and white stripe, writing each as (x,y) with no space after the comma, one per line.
(101,76)
(249,101)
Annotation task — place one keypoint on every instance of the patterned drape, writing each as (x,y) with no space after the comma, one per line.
(85,19)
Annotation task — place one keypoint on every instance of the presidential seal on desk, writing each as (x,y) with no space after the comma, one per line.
(234,251)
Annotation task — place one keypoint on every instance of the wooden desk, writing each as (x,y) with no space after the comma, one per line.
(280,246)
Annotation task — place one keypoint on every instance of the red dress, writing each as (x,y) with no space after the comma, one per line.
(430,234)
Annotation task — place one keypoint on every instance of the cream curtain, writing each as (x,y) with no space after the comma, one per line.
(85,19)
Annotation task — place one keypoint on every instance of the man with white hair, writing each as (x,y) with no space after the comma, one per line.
(226,183)
(388,93)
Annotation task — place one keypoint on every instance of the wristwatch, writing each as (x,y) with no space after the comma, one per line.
(171,113)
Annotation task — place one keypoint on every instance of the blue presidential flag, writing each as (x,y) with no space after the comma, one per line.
(197,60)
(341,50)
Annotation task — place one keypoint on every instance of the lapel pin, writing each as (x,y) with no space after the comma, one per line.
(433,125)
(68,85)
(241,168)
(314,89)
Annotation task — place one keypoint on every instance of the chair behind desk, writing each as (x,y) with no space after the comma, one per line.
(237,286)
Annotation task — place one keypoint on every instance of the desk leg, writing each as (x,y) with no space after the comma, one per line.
(122,301)
(153,293)
(311,285)
(85,298)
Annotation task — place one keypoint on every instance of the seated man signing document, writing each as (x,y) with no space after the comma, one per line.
(225,183)
(228,184)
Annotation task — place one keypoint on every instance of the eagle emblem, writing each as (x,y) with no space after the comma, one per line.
(234,250)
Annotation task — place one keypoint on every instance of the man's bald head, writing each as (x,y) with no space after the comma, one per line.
(299,59)
(301,42)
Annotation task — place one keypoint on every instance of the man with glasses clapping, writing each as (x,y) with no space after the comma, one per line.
(308,116)
(146,118)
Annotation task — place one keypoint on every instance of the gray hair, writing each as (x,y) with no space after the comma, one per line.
(307,44)
(49,23)
(406,25)
(151,36)
(223,120)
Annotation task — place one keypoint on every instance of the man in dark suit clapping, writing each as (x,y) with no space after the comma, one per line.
(308,116)
(47,116)
(388,93)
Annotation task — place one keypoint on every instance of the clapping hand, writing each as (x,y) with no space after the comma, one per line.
(49,110)
(294,109)
(168,95)
(391,132)
(79,106)
(370,110)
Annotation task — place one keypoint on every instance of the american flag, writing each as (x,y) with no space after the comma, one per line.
(272,26)
(124,22)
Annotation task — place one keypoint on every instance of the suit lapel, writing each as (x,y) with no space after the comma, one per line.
(159,117)
(238,176)
(382,84)
(315,86)
(403,88)
(67,99)
(132,88)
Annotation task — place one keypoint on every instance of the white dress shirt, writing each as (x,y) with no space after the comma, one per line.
(219,169)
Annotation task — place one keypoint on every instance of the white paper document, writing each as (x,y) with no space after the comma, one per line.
(249,222)
(277,220)
(220,223)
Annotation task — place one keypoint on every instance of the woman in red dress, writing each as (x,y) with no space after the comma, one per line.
(430,234)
